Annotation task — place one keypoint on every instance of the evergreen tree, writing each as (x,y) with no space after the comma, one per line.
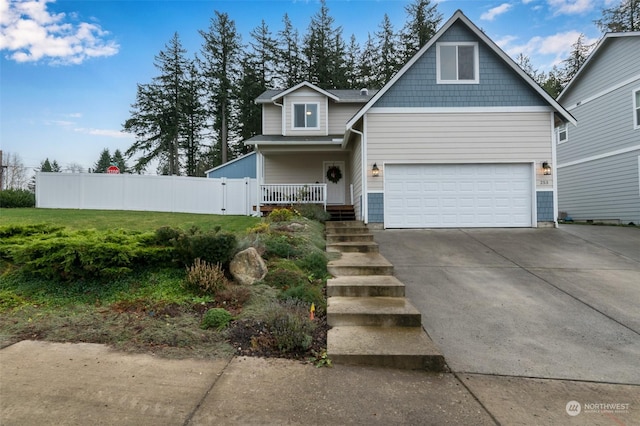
(220,67)
(119,160)
(263,54)
(157,117)
(323,50)
(422,23)
(195,119)
(525,63)
(352,65)
(368,59)
(388,62)
(290,67)
(103,162)
(577,57)
(249,113)
(624,17)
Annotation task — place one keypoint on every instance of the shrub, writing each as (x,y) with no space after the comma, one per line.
(212,247)
(260,228)
(284,279)
(315,264)
(217,318)
(280,245)
(17,198)
(280,215)
(289,324)
(313,212)
(234,295)
(206,277)
(307,293)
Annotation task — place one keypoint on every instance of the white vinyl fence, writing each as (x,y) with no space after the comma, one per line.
(98,191)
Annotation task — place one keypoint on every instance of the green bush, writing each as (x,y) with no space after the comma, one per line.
(280,215)
(17,198)
(313,212)
(289,324)
(217,318)
(315,264)
(79,255)
(307,293)
(206,277)
(213,247)
(280,245)
(284,279)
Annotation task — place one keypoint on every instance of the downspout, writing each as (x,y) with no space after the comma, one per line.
(282,120)
(554,171)
(363,171)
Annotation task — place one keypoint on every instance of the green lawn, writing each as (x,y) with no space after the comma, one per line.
(130,220)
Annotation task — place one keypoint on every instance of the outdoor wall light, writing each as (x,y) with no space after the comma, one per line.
(546,168)
(375,171)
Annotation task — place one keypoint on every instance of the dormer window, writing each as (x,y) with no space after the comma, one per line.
(457,63)
(305,116)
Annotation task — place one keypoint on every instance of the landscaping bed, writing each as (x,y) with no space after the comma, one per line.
(130,288)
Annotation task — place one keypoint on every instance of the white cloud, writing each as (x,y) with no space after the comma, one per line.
(498,10)
(570,7)
(31,33)
(553,48)
(104,132)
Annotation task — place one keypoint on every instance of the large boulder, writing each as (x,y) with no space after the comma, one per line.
(247,267)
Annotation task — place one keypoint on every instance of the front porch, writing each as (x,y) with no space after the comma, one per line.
(273,196)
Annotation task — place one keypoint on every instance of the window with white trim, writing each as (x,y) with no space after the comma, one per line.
(562,133)
(636,109)
(457,63)
(305,116)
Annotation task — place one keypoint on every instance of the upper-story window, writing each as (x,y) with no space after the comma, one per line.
(636,109)
(305,116)
(457,63)
(562,133)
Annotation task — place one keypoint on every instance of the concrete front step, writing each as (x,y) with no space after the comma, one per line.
(345,224)
(365,286)
(337,230)
(342,238)
(360,264)
(395,347)
(372,311)
(354,247)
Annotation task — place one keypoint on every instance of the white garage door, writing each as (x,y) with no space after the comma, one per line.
(457,195)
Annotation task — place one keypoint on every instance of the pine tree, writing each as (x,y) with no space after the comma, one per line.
(624,17)
(119,160)
(157,118)
(323,50)
(103,162)
(220,67)
(577,57)
(553,81)
(263,54)
(422,23)
(352,64)
(195,117)
(388,62)
(291,66)
(368,59)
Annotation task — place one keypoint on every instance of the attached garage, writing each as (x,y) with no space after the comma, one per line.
(458,195)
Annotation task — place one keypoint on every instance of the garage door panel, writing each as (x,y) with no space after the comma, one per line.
(462,195)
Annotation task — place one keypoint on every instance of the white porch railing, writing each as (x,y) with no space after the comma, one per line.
(306,193)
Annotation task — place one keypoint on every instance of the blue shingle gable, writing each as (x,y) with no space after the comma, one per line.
(499,85)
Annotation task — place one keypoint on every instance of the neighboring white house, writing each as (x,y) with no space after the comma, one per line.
(460,137)
(599,159)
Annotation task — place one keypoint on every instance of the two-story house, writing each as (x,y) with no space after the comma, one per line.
(460,137)
(599,160)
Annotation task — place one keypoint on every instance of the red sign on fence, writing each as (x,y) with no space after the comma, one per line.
(113,170)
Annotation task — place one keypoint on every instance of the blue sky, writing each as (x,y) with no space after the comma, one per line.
(69,69)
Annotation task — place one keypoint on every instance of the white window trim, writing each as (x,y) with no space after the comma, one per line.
(636,108)
(476,62)
(566,130)
(293,115)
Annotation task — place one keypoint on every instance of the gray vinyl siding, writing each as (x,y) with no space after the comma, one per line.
(356,173)
(499,84)
(465,138)
(602,189)
(604,125)
(271,119)
(616,62)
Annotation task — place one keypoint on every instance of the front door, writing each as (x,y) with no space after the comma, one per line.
(334,177)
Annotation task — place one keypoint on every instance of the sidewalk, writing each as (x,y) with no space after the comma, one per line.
(78,384)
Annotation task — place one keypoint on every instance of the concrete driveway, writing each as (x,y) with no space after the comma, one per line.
(541,303)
